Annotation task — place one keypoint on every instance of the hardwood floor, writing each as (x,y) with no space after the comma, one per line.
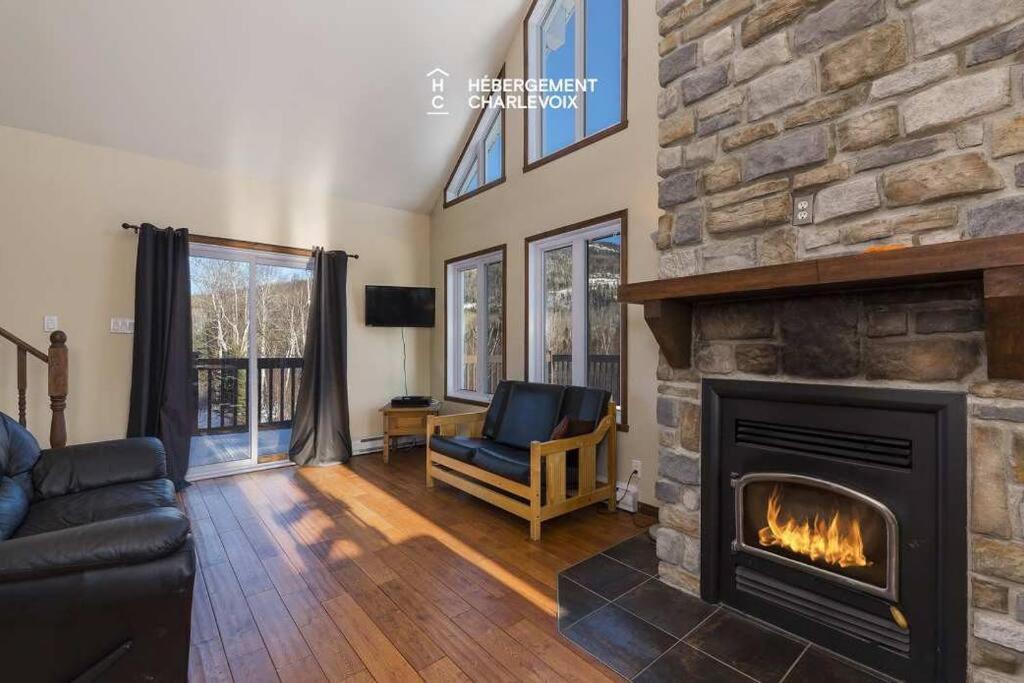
(360,573)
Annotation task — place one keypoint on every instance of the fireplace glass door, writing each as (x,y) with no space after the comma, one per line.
(820,527)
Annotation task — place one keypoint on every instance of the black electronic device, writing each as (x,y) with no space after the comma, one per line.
(399,306)
(411,402)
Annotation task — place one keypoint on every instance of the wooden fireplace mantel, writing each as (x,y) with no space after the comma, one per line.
(998,262)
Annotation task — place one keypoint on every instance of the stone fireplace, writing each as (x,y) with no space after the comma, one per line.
(794,131)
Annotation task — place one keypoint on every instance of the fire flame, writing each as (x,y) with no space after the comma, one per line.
(836,541)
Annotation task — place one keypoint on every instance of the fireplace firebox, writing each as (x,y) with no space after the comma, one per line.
(839,514)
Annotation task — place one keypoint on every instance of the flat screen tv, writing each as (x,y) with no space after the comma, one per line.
(399,306)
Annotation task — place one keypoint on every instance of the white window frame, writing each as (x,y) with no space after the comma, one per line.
(536,326)
(476,152)
(453,321)
(534,66)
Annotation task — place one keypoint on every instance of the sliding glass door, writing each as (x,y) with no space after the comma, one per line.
(249,313)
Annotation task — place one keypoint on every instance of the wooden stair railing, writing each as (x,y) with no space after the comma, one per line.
(57,379)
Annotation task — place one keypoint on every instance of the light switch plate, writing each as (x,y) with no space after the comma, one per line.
(49,323)
(122,326)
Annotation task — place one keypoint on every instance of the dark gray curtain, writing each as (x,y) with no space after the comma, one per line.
(162,403)
(320,428)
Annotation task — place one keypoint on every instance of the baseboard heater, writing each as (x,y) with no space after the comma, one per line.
(373,444)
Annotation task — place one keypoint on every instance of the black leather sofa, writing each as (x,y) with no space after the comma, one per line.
(533,452)
(96,562)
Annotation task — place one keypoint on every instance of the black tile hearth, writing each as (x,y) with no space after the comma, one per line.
(666,607)
(684,663)
(607,577)
(621,640)
(817,665)
(652,632)
(638,552)
(757,651)
(575,602)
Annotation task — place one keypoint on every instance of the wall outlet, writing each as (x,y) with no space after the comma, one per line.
(49,323)
(122,326)
(803,209)
(636,467)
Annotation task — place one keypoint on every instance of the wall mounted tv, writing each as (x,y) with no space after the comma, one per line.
(399,306)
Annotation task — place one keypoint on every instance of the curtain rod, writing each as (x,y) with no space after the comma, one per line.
(242,244)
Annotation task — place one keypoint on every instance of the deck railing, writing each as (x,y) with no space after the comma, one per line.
(219,386)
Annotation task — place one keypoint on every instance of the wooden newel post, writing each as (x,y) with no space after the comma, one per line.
(58,388)
(22,384)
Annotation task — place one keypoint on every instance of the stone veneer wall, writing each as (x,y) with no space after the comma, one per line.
(902,123)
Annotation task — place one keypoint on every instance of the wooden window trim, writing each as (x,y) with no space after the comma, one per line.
(503,250)
(623,217)
(589,139)
(446,203)
(251,246)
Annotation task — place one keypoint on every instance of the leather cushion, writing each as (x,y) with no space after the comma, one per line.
(459,447)
(108,502)
(126,540)
(13,505)
(585,405)
(530,414)
(497,408)
(92,465)
(19,450)
(505,461)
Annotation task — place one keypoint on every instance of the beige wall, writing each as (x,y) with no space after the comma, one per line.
(64,253)
(612,174)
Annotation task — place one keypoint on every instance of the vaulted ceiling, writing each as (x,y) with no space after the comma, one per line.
(326,95)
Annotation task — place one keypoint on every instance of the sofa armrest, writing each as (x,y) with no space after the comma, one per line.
(124,540)
(61,471)
(447,425)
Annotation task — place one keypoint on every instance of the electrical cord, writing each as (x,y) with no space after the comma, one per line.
(618,500)
(632,515)
(405,373)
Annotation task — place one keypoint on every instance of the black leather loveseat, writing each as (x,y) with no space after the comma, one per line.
(532,453)
(96,563)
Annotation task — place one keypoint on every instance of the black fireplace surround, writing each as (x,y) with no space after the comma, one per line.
(839,514)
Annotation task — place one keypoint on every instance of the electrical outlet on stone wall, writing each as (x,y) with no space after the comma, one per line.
(803,209)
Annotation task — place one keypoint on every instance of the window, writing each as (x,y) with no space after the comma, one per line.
(575,322)
(576,39)
(475,325)
(482,163)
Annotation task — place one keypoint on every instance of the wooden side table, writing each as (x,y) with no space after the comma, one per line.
(405,422)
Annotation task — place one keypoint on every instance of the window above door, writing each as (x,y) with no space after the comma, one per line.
(575,39)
